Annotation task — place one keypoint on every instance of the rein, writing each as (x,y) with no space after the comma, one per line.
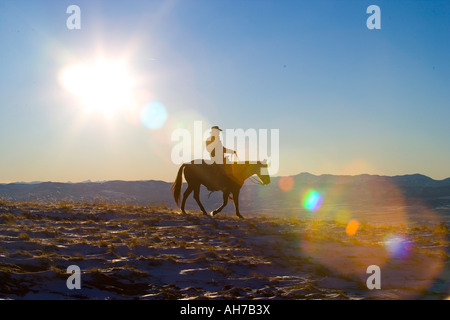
(256,180)
(251,178)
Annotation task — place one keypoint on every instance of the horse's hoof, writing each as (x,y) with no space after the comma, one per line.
(205,213)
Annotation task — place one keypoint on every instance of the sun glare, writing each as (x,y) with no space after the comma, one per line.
(102,86)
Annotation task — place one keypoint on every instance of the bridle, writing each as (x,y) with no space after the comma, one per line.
(255,180)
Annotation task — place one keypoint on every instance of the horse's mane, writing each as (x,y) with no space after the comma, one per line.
(246,162)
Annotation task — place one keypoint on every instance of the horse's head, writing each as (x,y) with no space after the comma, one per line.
(263,172)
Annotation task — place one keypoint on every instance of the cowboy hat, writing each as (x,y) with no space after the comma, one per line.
(216,127)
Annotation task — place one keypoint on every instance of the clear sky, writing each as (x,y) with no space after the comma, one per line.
(346,99)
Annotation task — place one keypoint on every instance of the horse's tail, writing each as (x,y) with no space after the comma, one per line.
(176,186)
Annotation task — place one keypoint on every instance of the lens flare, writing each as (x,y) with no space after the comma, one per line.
(286,183)
(312,200)
(388,237)
(154,115)
(397,246)
(352,227)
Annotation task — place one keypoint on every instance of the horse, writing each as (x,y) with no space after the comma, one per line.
(228,178)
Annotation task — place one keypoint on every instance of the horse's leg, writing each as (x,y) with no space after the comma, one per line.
(236,202)
(197,198)
(185,196)
(225,201)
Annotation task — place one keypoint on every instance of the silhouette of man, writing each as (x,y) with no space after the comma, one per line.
(217,151)
(215,147)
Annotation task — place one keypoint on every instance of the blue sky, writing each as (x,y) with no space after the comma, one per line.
(346,99)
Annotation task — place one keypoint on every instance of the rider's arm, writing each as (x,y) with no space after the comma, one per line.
(226,150)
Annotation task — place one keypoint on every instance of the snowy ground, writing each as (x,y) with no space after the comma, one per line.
(144,252)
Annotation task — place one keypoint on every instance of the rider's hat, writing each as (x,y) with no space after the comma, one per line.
(216,128)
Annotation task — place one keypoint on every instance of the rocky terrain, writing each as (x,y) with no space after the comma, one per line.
(154,252)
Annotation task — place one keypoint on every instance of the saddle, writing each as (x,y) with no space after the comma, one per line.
(220,173)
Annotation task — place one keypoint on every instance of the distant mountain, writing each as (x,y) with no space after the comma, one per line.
(358,190)
(141,192)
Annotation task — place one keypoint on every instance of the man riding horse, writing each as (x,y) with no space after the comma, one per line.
(217,175)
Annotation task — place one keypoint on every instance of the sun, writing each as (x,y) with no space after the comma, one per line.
(102,86)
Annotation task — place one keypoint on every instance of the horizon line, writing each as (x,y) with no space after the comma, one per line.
(274,177)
